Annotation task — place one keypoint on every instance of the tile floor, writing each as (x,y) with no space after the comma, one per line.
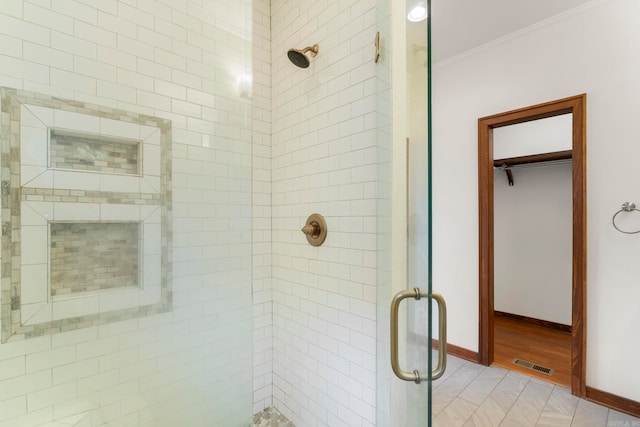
(471,395)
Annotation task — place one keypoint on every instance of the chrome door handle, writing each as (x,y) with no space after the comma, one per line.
(416,376)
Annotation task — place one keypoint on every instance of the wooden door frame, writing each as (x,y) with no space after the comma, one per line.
(575,105)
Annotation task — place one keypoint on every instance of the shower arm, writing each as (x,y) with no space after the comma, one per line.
(313,49)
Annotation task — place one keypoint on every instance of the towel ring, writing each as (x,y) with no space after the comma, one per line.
(626,207)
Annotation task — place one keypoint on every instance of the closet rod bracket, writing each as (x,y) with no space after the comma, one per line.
(507,170)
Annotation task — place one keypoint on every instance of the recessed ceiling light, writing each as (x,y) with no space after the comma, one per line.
(417,13)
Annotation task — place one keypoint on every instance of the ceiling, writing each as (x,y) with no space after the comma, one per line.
(461,25)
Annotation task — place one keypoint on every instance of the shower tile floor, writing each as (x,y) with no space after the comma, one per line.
(271,417)
(472,395)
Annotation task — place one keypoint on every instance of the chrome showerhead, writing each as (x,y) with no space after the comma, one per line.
(299,58)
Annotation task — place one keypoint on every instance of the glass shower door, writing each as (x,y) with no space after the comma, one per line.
(425,336)
(406,302)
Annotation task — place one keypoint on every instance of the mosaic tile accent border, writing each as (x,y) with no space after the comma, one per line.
(82,196)
(27,189)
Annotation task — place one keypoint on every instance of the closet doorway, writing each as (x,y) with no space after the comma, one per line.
(489,321)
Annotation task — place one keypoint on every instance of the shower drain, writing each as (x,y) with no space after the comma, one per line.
(533,366)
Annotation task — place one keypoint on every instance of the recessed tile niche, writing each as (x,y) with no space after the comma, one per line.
(77,151)
(92,256)
(86,215)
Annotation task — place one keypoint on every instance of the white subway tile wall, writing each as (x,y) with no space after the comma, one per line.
(179,60)
(314,308)
(262,259)
(324,160)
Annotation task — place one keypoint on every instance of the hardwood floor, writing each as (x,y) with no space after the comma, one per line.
(539,345)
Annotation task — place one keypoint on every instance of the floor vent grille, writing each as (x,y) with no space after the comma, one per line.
(533,366)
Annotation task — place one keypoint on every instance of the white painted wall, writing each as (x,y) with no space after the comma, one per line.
(534,137)
(324,161)
(533,242)
(533,222)
(180,60)
(592,51)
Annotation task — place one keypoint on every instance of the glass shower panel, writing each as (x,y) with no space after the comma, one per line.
(126,169)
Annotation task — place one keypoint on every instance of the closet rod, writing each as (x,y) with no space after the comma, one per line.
(533,158)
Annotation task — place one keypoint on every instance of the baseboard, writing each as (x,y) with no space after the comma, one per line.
(618,403)
(462,353)
(536,322)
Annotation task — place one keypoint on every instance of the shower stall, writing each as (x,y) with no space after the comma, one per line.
(158,160)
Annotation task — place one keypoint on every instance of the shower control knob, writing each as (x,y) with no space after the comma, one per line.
(315,229)
(312,229)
